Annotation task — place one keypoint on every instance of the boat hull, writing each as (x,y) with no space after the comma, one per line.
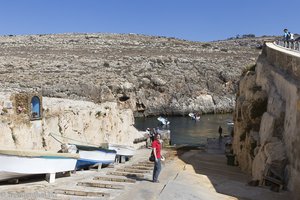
(14,166)
(88,158)
(164,121)
(122,150)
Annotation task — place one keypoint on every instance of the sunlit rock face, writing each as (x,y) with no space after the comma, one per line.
(150,75)
(266,117)
(69,121)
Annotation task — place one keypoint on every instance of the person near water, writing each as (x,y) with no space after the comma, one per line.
(156,148)
(149,138)
(220,131)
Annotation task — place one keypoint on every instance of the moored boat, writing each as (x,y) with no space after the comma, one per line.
(19,163)
(164,121)
(229,122)
(194,116)
(90,155)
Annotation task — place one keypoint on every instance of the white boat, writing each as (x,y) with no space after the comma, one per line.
(90,155)
(122,150)
(19,163)
(229,122)
(194,116)
(164,121)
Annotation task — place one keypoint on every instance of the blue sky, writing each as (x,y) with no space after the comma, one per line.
(195,20)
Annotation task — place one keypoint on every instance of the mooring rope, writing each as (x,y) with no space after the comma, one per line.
(52,135)
(55,138)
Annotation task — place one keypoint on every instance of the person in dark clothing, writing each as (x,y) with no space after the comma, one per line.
(220,131)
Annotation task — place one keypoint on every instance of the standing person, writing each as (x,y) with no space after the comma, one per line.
(220,131)
(149,138)
(156,148)
(286,37)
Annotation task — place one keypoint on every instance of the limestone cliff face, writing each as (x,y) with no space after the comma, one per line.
(267,116)
(69,121)
(153,75)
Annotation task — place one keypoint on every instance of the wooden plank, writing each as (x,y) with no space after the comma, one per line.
(145,162)
(81,193)
(133,170)
(101,185)
(127,174)
(114,179)
(139,167)
(273,180)
(143,165)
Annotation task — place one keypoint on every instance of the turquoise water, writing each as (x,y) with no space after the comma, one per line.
(184,130)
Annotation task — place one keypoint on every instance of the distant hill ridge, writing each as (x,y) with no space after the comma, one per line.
(150,74)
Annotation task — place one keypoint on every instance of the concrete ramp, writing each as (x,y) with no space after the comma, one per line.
(190,186)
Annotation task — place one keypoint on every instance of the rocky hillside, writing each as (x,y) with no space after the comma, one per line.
(151,75)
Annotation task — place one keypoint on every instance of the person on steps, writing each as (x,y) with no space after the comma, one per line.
(156,148)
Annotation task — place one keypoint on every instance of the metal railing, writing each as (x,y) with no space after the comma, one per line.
(292,45)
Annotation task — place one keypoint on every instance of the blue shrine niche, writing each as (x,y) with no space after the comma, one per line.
(35,108)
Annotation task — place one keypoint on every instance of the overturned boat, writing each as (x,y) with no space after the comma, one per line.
(20,163)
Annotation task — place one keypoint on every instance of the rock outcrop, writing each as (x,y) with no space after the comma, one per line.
(266,132)
(68,121)
(151,75)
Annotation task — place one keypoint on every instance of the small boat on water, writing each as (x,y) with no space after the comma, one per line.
(20,163)
(164,121)
(229,122)
(90,155)
(194,116)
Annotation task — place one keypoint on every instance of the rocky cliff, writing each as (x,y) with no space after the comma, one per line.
(66,121)
(150,75)
(266,132)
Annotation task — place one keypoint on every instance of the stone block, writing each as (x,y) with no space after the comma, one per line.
(266,128)
(275,151)
(258,165)
(50,177)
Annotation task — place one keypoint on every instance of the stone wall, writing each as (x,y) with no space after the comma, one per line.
(267,116)
(79,122)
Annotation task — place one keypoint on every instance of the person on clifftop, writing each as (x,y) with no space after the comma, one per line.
(286,37)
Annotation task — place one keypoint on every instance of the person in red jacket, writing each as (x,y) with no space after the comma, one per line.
(156,147)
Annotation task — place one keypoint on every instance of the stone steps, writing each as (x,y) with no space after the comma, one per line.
(114,179)
(127,174)
(101,185)
(81,193)
(133,170)
(138,167)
